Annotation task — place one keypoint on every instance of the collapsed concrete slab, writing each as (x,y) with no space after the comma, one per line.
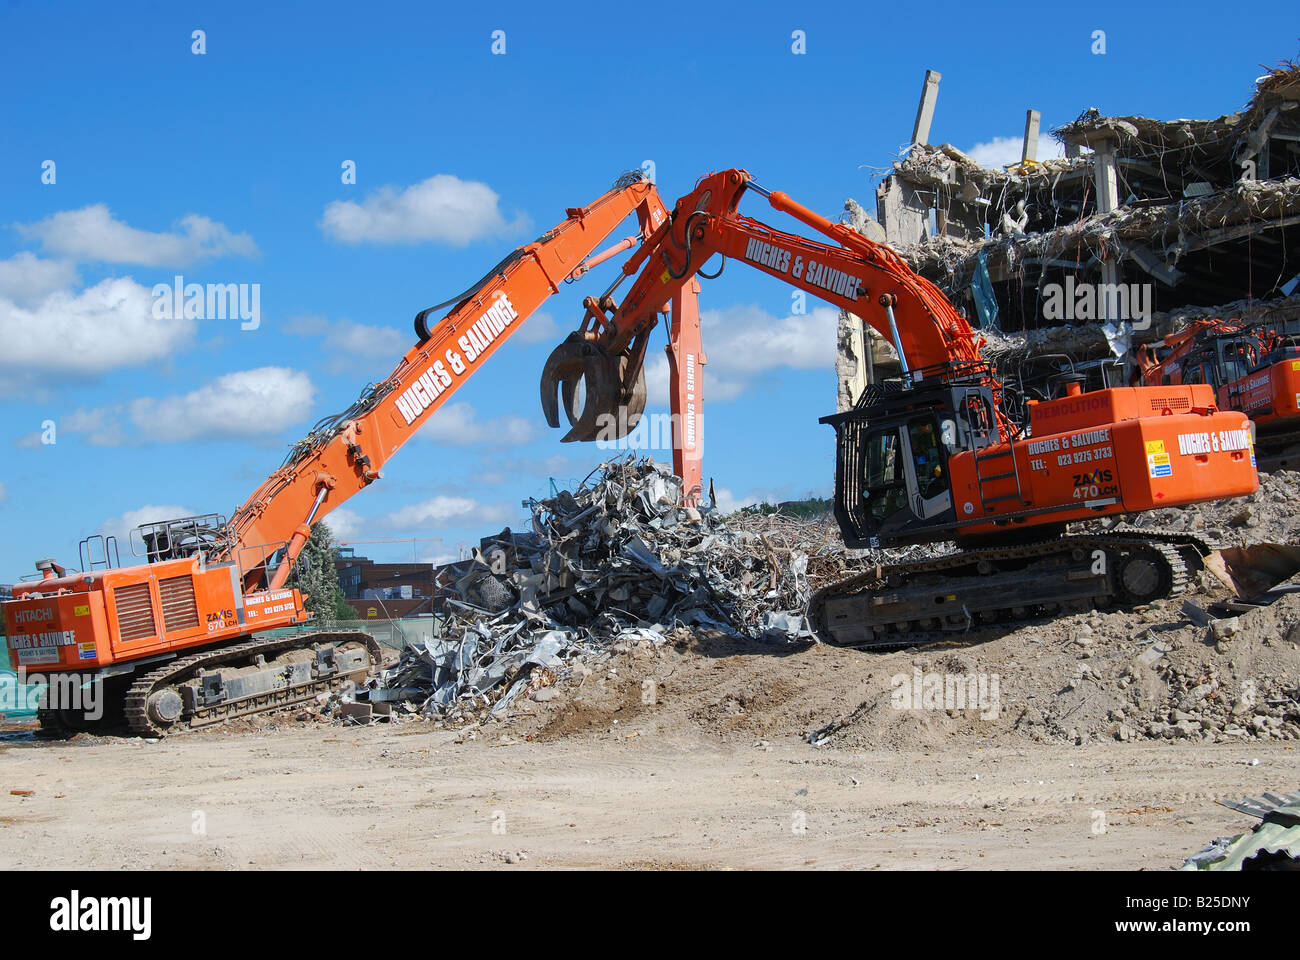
(1074,261)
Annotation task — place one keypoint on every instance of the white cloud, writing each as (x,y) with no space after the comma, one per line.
(442,510)
(728,502)
(93,233)
(1004,151)
(4,494)
(102,427)
(26,279)
(245,404)
(101,328)
(747,340)
(439,557)
(541,327)
(347,336)
(443,208)
(344,340)
(744,342)
(122,526)
(457,424)
(248,403)
(345,524)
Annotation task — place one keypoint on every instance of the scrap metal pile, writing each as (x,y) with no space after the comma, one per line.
(619,560)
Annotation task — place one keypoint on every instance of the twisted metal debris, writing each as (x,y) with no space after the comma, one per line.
(619,560)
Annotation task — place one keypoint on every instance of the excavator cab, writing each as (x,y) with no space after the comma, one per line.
(903,475)
(1223,360)
(893,483)
(905,467)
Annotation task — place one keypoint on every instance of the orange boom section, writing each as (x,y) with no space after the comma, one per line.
(346,454)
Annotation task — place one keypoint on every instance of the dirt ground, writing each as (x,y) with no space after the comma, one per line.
(1099,740)
(717,772)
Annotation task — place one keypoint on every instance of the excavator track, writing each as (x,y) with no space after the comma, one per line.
(245,678)
(926,601)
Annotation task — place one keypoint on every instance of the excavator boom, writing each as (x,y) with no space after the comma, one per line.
(346,453)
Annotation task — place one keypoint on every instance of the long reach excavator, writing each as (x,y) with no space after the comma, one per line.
(183,639)
(935,455)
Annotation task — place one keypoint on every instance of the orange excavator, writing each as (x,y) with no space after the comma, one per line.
(1254,369)
(934,456)
(181,640)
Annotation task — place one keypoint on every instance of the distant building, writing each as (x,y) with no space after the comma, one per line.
(391,590)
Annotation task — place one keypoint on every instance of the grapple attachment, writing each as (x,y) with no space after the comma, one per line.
(610,408)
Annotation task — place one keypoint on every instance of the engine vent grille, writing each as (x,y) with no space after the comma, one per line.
(1170,403)
(178,607)
(134,611)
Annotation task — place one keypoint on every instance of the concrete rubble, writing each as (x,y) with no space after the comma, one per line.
(1198,216)
(619,561)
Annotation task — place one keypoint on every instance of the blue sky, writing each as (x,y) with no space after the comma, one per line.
(225,167)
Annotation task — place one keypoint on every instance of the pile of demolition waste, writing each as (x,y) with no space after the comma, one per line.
(619,560)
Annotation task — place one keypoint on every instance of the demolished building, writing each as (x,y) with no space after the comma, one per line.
(1142,227)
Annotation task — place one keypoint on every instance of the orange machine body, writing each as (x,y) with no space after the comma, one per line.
(1269,395)
(81,622)
(1253,369)
(1106,452)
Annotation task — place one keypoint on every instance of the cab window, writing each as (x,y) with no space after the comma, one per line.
(929,457)
(883,478)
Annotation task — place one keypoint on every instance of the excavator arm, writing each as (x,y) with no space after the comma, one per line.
(346,453)
(857,275)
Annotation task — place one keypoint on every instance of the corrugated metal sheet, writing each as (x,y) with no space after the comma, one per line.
(1278,833)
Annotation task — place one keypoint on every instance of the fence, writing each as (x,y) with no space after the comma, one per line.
(391,634)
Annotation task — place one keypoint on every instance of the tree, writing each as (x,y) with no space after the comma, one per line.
(811,508)
(316,574)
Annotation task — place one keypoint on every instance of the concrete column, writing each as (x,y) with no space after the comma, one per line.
(1106,179)
(852,361)
(1029,149)
(925,109)
(1104,173)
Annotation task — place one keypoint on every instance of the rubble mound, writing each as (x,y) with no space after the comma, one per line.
(617,562)
(625,614)
(1169,671)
